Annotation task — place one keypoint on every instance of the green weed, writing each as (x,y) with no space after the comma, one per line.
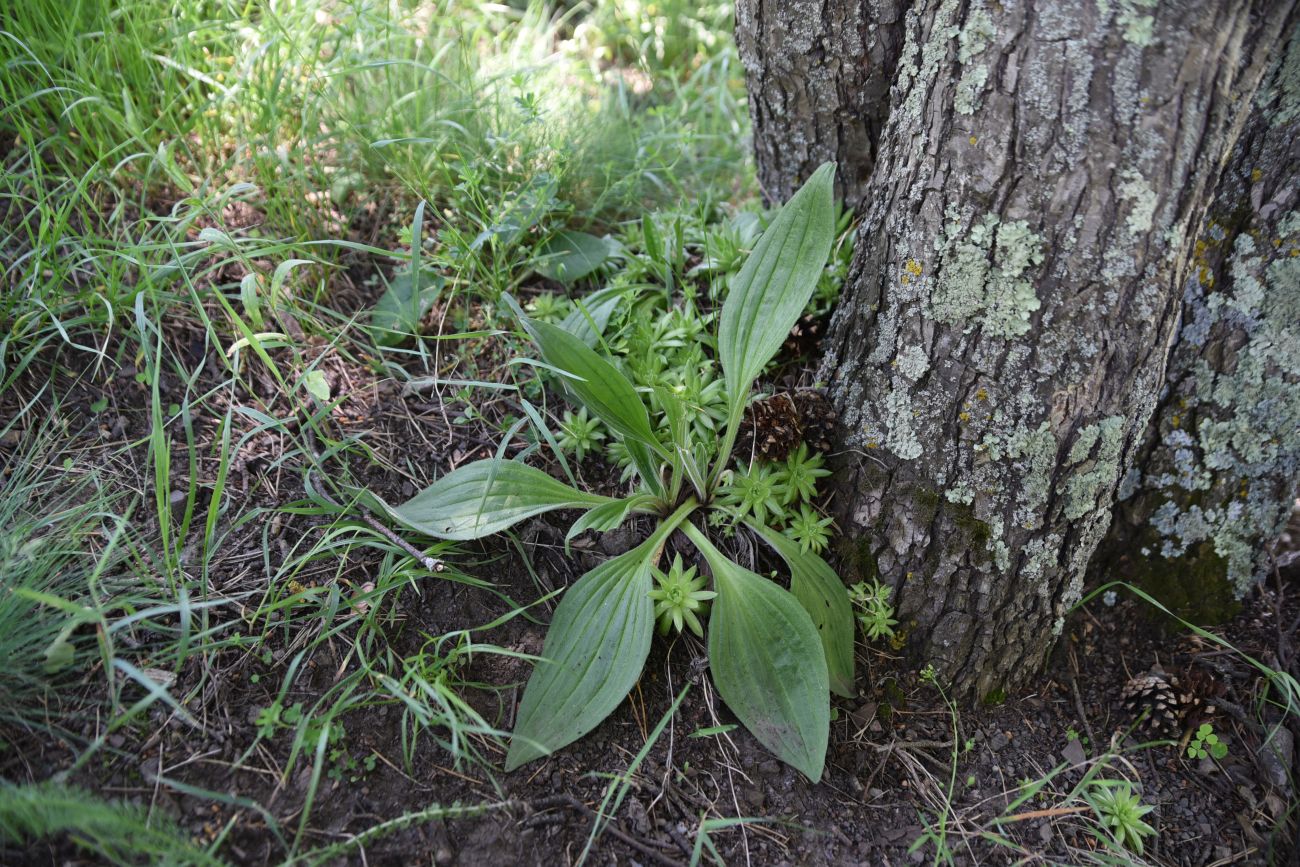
(811,624)
(218,218)
(116,832)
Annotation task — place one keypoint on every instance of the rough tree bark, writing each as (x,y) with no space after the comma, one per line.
(1031,213)
(818,77)
(1215,479)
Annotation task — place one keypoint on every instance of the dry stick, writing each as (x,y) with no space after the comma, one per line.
(913,745)
(677,838)
(1078,705)
(433,564)
(1043,814)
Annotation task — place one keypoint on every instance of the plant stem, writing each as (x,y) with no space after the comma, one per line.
(728,442)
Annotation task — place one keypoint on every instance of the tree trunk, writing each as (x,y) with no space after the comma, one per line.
(1216,478)
(818,77)
(1030,217)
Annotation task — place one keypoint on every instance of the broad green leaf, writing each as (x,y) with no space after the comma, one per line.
(486,497)
(594,652)
(596,384)
(249,298)
(674,410)
(409,295)
(607,517)
(688,459)
(823,595)
(654,244)
(317,386)
(281,274)
(747,226)
(60,652)
(767,662)
(400,309)
(591,314)
(773,287)
(570,256)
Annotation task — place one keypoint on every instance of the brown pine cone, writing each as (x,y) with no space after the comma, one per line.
(817,417)
(1197,690)
(1154,705)
(775,426)
(771,429)
(804,337)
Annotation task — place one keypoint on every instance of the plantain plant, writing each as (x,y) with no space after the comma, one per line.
(775,655)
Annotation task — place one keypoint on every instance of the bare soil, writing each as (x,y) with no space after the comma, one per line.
(895,765)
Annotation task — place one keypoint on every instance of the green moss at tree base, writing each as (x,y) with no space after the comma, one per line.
(994,697)
(893,698)
(859,563)
(927,502)
(1194,586)
(975,534)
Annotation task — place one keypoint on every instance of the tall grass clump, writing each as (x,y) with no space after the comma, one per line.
(112,831)
(334,122)
(52,565)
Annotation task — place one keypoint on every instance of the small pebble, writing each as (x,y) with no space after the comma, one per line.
(1073,752)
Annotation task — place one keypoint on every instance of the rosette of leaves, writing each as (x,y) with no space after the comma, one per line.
(580,433)
(1121,812)
(809,529)
(775,654)
(680,599)
(875,613)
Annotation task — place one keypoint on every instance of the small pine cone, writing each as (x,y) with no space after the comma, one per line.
(817,417)
(1153,702)
(1197,692)
(804,337)
(775,426)
(770,429)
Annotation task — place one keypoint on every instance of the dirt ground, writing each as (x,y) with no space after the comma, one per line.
(895,767)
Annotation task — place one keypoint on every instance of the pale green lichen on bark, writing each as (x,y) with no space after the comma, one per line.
(1280,95)
(900,423)
(1040,554)
(972,41)
(913,362)
(997,547)
(1137,27)
(1248,411)
(1141,199)
(960,494)
(919,63)
(1084,442)
(1035,450)
(1087,487)
(988,272)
